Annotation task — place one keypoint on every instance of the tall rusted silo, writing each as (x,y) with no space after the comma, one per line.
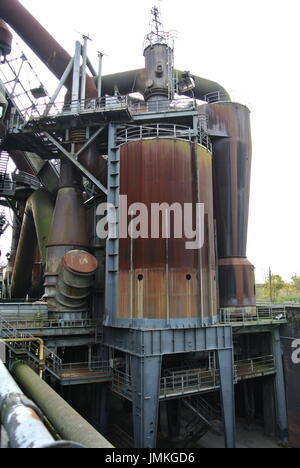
(160,280)
(229,128)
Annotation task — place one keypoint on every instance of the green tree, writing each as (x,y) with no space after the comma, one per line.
(296,284)
(277,284)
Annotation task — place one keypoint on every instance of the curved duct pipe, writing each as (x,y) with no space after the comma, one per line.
(16,229)
(75,280)
(35,230)
(135,81)
(68,233)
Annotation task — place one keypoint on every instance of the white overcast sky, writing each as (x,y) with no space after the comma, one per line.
(251,47)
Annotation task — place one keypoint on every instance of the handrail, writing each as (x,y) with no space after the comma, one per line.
(253,366)
(129,133)
(216,96)
(52,362)
(52,324)
(41,349)
(195,380)
(91,366)
(107,103)
(232,315)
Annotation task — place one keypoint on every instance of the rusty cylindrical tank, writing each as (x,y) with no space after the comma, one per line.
(157,56)
(229,127)
(161,283)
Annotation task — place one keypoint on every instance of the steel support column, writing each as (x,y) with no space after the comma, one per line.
(226,366)
(145,374)
(113,214)
(280,396)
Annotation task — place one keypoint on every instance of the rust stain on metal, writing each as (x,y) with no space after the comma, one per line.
(232,149)
(231,166)
(159,278)
(80,262)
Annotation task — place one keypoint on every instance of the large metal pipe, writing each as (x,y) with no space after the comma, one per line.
(135,81)
(230,130)
(19,416)
(75,280)
(35,230)
(67,422)
(40,41)
(68,233)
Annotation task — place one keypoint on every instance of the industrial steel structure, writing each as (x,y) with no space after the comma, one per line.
(139,316)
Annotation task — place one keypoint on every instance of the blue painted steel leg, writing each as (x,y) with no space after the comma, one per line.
(226,366)
(145,374)
(280,396)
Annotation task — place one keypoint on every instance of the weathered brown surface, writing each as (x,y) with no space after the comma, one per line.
(229,127)
(231,169)
(236,282)
(159,278)
(80,262)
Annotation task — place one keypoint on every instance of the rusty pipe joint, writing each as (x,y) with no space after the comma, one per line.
(76,276)
(22,419)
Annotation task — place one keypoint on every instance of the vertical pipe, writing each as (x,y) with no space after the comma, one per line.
(35,229)
(83,72)
(76,78)
(19,417)
(100,55)
(281,407)
(226,367)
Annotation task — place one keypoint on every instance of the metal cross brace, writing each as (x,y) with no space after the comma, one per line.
(72,158)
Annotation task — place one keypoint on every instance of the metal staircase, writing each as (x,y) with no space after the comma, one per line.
(205,418)
(30,349)
(4,158)
(7,186)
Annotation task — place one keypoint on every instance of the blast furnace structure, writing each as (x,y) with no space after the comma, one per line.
(143,318)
